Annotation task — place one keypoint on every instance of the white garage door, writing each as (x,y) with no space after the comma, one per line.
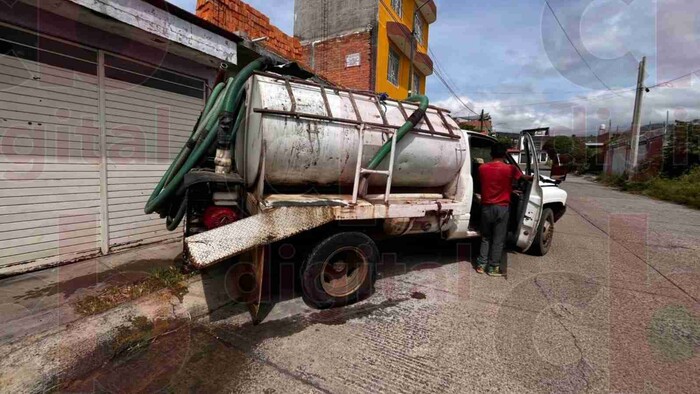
(49,157)
(149,116)
(61,198)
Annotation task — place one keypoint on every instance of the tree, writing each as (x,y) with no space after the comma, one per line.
(571,151)
(505,140)
(681,150)
(667,168)
(579,150)
(559,145)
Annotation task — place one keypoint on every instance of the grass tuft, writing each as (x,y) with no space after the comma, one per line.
(162,278)
(682,190)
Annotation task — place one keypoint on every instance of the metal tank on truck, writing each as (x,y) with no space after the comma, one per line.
(273,157)
(323,150)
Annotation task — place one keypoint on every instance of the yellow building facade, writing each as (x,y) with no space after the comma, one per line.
(396,20)
(367,44)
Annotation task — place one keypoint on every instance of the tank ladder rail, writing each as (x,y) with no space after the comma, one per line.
(362,174)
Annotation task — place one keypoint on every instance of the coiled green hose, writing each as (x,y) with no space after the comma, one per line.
(225,99)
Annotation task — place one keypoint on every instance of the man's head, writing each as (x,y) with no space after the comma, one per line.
(499,151)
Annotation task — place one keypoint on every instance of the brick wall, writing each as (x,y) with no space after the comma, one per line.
(237,16)
(328,58)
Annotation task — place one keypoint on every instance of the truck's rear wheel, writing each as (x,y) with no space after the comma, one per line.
(545,234)
(340,270)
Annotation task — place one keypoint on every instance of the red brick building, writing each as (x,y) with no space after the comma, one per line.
(475,123)
(239,17)
(329,58)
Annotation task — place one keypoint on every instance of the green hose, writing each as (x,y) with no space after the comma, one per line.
(412,121)
(225,102)
(225,99)
(206,120)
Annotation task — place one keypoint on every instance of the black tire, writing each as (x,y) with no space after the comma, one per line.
(352,255)
(545,234)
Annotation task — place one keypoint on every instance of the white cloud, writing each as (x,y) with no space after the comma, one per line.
(584,113)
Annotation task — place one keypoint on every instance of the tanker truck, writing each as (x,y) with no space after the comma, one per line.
(274,156)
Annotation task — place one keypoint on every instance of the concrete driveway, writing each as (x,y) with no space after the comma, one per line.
(612,307)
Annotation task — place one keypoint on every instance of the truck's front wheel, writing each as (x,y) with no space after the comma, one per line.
(340,270)
(545,233)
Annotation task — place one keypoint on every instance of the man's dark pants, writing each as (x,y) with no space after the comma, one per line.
(494,227)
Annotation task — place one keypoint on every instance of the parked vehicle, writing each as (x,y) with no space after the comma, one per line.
(292,156)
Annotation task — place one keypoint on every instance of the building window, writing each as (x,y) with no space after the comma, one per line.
(418,29)
(394,64)
(397,5)
(416,83)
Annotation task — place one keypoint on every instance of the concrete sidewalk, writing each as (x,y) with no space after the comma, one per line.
(43,339)
(41,300)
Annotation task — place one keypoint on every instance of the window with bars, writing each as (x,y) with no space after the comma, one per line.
(397,5)
(418,29)
(394,67)
(416,83)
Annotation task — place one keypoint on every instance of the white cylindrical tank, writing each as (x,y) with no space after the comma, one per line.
(300,151)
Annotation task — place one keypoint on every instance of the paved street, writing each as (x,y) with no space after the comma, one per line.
(612,307)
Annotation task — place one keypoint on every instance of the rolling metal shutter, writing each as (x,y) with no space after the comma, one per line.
(149,116)
(77,163)
(49,150)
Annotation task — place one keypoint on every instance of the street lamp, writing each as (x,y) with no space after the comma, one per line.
(413,46)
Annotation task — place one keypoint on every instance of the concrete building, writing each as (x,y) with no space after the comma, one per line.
(96,98)
(367,44)
(617,152)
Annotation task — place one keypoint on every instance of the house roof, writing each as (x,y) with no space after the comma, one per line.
(487,116)
(193,19)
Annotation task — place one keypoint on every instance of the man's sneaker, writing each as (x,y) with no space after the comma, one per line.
(494,271)
(480,269)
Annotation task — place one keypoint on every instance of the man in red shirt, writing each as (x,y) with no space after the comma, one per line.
(497,179)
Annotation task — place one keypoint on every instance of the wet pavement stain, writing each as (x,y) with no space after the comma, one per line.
(187,360)
(195,358)
(417,295)
(125,274)
(294,324)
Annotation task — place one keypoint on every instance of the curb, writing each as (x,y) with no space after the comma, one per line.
(38,363)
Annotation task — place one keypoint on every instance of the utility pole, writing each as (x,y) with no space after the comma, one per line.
(636,119)
(666,124)
(481,121)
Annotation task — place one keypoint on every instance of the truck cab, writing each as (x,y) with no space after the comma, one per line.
(535,206)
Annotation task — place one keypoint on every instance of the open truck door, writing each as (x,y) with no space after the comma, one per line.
(531,210)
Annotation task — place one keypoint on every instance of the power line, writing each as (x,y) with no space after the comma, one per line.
(603,97)
(442,69)
(674,79)
(451,90)
(482,91)
(575,48)
(442,75)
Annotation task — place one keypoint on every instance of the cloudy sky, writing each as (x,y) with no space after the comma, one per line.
(512,59)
